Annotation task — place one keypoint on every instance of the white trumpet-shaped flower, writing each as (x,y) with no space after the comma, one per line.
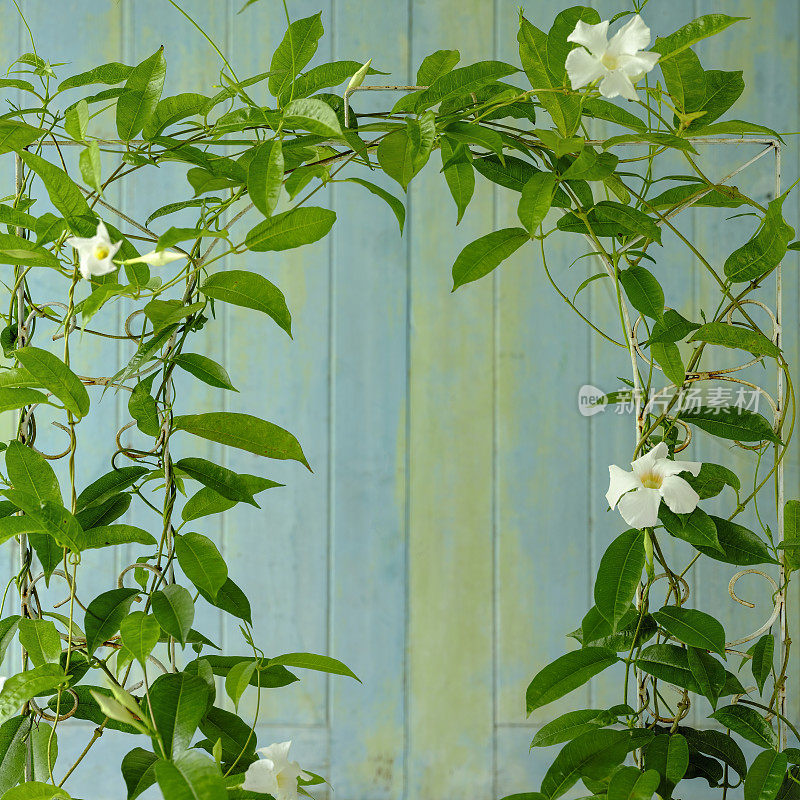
(95,253)
(156,258)
(654,477)
(274,774)
(617,63)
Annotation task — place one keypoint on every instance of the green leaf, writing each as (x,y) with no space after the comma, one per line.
(323,77)
(712,479)
(296,49)
(564,109)
(201,562)
(191,776)
(173,109)
(461,81)
(238,740)
(692,627)
(205,369)
(708,672)
(458,174)
(668,662)
(765,250)
(109,485)
(140,634)
(177,702)
(736,127)
(595,630)
(668,356)
(765,776)
(435,65)
(142,407)
(630,783)
(658,139)
(104,615)
(314,116)
(685,79)
(593,754)
(536,200)
(30,472)
(668,755)
(602,109)
(791,535)
(696,528)
(722,90)
(398,156)
(761,662)
(719,197)
(90,165)
(41,640)
(24,686)
(738,544)
(618,576)
(736,337)
(173,608)
(238,679)
(8,630)
(232,599)
(566,673)
(265,175)
(76,120)
(15,136)
(693,32)
(249,290)
(609,218)
(141,94)
(35,790)
(514,174)
(110,74)
(748,723)
(729,422)
(13,751)
(245,432)
(315,662)
(294,228)
(63,192)
(571,725)
(207,501)
(643,291)
(589,165)
(393,202)
(719,745)
(223,481)
(138,771)
(50,517)
(12,399)
(55,376)
(16,250)
(483,255)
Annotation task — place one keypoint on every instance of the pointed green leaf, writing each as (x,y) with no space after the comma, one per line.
(618,576)
(566,673)
(765,776)
(173,609)
(55,376)
(692,627)
(249,290)
(140,96)
(294,228)
(201,562)
(104,615)
(483,255)
(748,723)
(140,634)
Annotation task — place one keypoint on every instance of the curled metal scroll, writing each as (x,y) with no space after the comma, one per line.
(777,604)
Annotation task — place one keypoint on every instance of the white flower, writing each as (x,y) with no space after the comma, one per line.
(156,258)
(95,253)
(638,493)
(274,774)
(619,62)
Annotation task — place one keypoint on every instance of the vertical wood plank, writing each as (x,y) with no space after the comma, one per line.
(450,536)
(369,372)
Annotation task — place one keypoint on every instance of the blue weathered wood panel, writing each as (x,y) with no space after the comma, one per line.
(454,477)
